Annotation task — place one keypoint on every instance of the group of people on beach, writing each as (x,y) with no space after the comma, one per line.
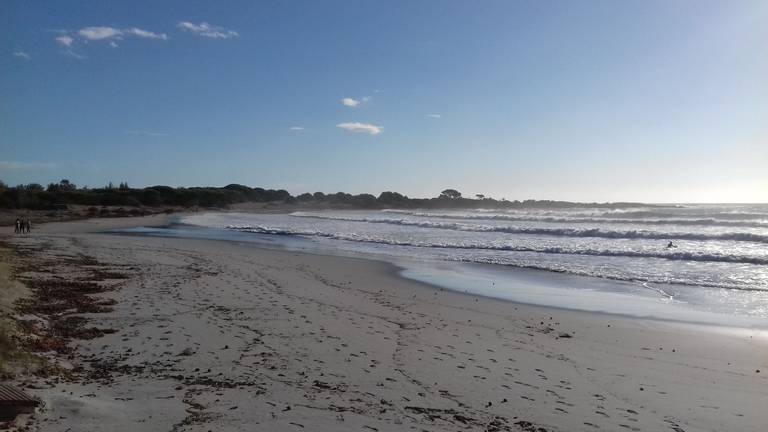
(23,226)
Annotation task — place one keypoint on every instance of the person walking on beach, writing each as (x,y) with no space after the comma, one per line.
(18,226)
(27,226)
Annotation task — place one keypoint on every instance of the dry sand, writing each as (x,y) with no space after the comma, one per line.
(221,336)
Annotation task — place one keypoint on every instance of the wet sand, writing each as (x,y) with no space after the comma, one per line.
(214,335)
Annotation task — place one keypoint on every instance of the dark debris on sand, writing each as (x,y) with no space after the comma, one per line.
(64,288)
(492,424)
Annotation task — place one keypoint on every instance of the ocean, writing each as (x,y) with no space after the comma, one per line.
(682,262)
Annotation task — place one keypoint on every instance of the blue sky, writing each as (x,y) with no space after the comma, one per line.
(657,101)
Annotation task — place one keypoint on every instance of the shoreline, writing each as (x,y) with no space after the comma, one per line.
(312,317)
(106,226)
(591,288)
(708,326)
(95,226)
(112,225)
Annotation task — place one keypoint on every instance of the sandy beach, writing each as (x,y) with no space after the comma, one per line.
(222,336)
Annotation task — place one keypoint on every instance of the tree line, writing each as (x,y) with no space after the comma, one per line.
(59,195)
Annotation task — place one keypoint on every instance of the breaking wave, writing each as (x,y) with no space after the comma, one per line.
(671,255)
(709,221)
(561,232)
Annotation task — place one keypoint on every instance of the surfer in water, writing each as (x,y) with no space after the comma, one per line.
(671,245)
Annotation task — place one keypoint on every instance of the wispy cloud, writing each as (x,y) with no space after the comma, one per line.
(110,33)
(72,53)
(206,30)
(296,128)
(146,133)
(21,54)
(145,34)
(64,40)
(99,33)
(67,42)
(350,102)
(434,116)
(361,128)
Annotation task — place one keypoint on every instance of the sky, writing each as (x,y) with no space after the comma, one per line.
(655,101)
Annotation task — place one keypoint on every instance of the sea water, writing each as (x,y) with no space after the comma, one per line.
(617,260)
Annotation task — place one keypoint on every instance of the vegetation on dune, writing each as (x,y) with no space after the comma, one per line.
(35,197)
(55,196)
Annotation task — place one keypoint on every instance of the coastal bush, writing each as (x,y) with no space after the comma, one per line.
(57,196)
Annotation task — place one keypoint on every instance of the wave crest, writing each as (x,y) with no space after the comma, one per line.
(559,232)
(707,221)
(672,255)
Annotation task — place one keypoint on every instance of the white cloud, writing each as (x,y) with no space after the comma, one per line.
(297,128)
(206,30)
(68,42)
(434,116)
(21,54)
(146,34)
(361,128)
(100,33)
(110,34)
(64,40)
(352,102)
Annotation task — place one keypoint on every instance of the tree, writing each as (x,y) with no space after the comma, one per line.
(389,197)
(450,194)
(480,196)
(66,185)
(32,187)
(63,186)
(304,197)
(364,200)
